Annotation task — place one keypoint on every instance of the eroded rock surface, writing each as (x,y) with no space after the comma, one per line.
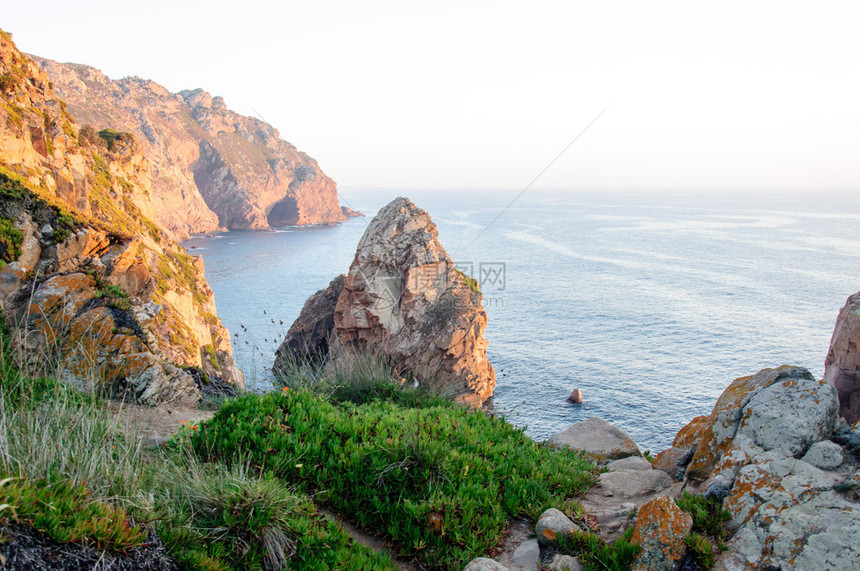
(404,297)
(842,365)
(310,335)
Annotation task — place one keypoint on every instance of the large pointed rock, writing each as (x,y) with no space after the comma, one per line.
(404,297)
(842,365)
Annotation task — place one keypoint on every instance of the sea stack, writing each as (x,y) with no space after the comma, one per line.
(842,365)
(404,297)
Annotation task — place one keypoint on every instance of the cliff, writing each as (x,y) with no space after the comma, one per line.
(403,297)
(209,167)
(88,282)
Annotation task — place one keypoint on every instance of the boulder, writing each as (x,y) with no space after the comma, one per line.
(825,455)
(575,397)
(310,334)
(551,524)
(633,483)
(629,463)
(776,408)
(484,564)
(597,440)
(660,529)
(404,298)
(842,364)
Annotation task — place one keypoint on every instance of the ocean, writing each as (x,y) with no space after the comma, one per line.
(649,303)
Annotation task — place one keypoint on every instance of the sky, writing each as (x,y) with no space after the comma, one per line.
(732,95)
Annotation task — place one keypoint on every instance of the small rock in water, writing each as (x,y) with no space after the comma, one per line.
(575,396)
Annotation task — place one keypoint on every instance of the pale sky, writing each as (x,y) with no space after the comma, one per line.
(483,94)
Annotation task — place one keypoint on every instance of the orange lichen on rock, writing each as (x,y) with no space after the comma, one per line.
(660,529)
(691,434)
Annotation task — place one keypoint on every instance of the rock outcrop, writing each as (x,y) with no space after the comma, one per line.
(91,285)
(842,365)
(775,408)
(209,167)
(404,297)
(772,452)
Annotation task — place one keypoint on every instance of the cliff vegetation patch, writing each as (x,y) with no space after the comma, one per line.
(442,481)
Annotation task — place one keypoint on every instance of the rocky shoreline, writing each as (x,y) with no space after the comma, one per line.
(773,452)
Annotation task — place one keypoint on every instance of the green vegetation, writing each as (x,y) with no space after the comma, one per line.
(79,477)
(471,282)
(114,295)
(11,240)
(700,549)
(709,516)
(209,350)
(441,480)
(18,196)
(110,137)
(8,82)
(73,515)
(596,554)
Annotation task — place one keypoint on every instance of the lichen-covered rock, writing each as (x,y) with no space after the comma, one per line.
(792,519)
(551,524)
(309,335)
(660,529)
(484,564)
(673,461)
(825,455)
(404,298)
(776,408)
(842,365)
(692,433)
(776,479)
(597,439)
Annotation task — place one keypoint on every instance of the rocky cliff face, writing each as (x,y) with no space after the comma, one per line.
(404,297)
(88,282)
(842,365)
(208,166)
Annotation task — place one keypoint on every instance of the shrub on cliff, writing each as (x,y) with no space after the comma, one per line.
(441,480)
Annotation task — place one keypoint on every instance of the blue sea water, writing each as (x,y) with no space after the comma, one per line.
(651,304)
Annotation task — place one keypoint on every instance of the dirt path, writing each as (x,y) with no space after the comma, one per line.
(158,424)
(372,541)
